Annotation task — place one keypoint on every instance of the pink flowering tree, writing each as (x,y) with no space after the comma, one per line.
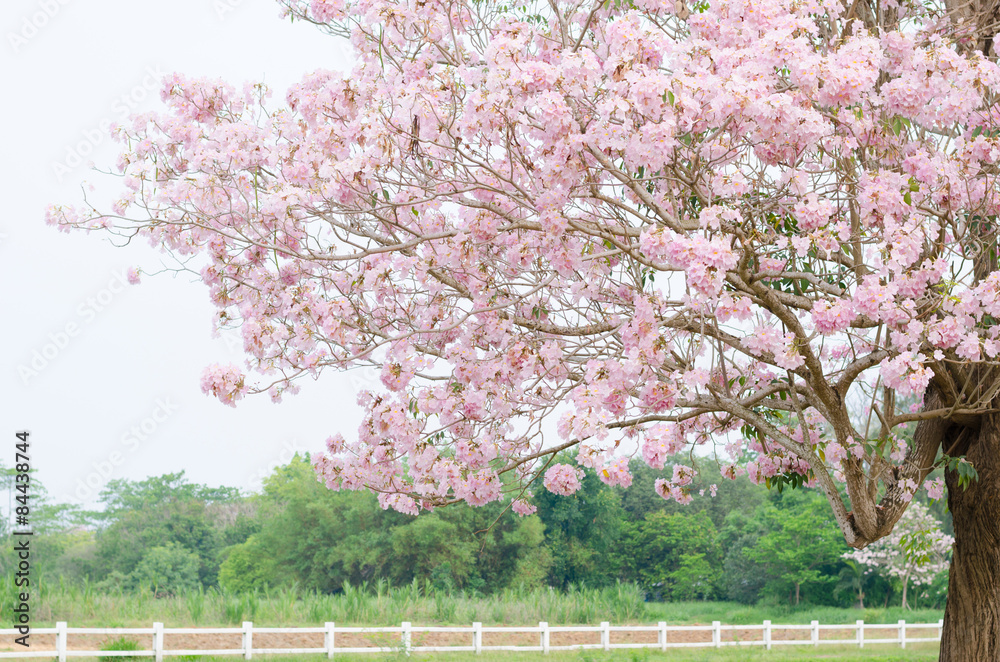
(915,552)
(622,226)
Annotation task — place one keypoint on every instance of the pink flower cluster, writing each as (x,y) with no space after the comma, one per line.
(935,488)
(676,488)
(226,382)
(833,317)
(562,479)
(661,441)
(906,373)
(705,260)
(616,472)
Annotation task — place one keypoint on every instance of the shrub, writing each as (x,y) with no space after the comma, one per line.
(168,569)
(120,644)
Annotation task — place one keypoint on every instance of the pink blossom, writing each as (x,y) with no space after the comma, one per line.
(935,488)
(522,507)
(335,444)
(662,441)
(672,492)
(969,348)
(479,488)
(812,212)
(682,475)
(857,449)
(562,479)
(227,383)
(616,473)
(835,453)
(399,502)
(906,373)
(832,318)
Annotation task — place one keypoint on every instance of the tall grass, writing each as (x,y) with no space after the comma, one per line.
(380,604)
(366,604)
(195,603)
(238,607)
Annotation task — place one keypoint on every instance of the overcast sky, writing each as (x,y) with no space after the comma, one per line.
(106,376)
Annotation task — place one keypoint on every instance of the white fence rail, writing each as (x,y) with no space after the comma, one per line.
(402,638)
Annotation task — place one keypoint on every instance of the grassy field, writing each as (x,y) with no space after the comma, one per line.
(734,613)
(384,605)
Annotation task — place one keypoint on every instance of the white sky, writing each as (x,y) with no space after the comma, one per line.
(135,352)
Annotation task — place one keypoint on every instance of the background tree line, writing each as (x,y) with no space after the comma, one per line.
(167,535)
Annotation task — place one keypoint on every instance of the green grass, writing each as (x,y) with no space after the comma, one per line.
(120,644)
(734,613)
(381,605)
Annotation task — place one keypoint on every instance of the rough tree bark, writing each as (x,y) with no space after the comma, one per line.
(972,613)
(972,616)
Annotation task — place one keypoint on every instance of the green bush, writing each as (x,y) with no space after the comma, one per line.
(247,567)
(120,644)
(168,570)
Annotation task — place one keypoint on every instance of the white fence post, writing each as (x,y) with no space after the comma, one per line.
(717,634)
(61,640)
(247,640)
(477,637)
(861,633)
(407,639)
(902,634)
(815,633)
(767,635)
(328,639)
(544,627)
(605,635)
(940,628)
(662,635)
(158,641)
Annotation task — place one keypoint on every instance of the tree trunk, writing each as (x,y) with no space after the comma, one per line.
(972,615)
(906,581)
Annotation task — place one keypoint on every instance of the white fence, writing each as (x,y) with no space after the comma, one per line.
(402,638)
